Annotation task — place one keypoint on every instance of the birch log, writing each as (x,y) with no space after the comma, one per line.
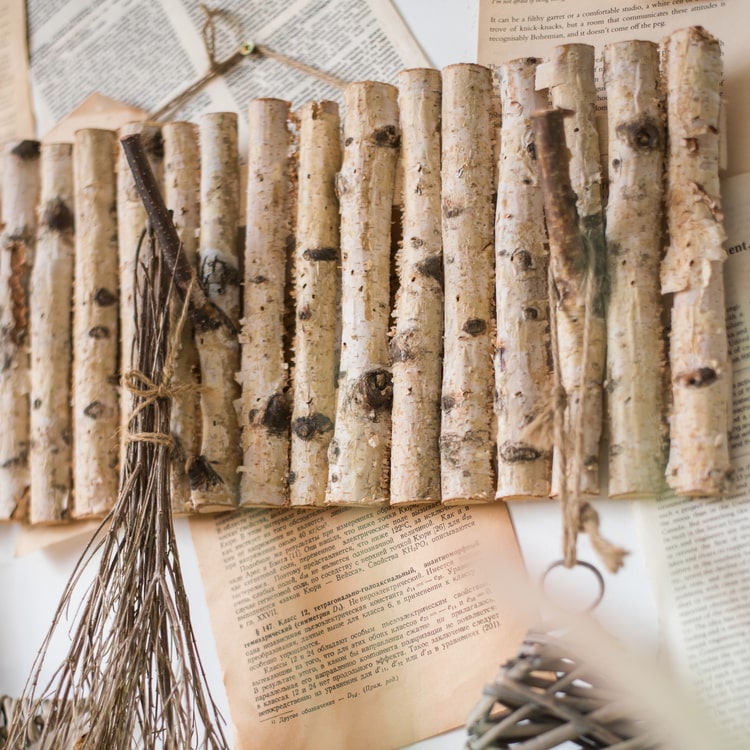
(20,195)
(523,373)
(131,224)
(96,412)
(417,344)
(213,475)
(181,194)
(466,435)
(51,306)
(359,451)
(692,270)
(265,406)
(316,291)
(635,333)
(569,75)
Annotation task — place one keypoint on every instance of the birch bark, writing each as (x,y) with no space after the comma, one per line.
(466,434)
(96,410)
(213,475)
(523,373)
(20,195)
(359,451)
(316,292)
(417,344)
(181,194)
(636,357)
(51,307)
(265,406)
(692,269)
(569,76)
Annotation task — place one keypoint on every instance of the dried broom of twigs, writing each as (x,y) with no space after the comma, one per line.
(133,676)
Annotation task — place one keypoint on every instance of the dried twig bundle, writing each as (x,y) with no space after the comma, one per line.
(96,403)
(466,434)
(358,453)
(692,270)
(20,194)
(213,475)
(51,305)
(522,358)
(635,336)
(417,343)
(181,195)
(265,404)
(316,291)
(132,677)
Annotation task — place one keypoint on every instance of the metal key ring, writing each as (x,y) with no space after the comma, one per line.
(582,564)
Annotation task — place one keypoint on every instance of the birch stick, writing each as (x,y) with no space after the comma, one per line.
(417,344)
(181,194)
(635,335)
(692,270)
(96,411)
(466,435)
(359,451)
(131,224)
(569,75)
(523,373)
(20,195)
(265,405)
(316,291)
(51,306)
(213,475)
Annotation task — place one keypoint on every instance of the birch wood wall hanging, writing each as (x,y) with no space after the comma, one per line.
(20,196)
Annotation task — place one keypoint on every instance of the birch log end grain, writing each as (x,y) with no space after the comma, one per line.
(51,307)
(265,405)
(20,195)
(316,291)
(466,436)
(636,356)
(569,75)
(523,373)
(213,475)
(131,224)
(417,343)
(359,451)
(96,408)
(692,269)
(182,196)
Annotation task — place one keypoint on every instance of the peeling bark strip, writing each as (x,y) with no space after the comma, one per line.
(213,475)
(417,343)
(569,75)
(131,224)
(316,290)
(692,269)
(571,270)
(265,405)
(635,335)
(466,444)
(20,195)
(358,454)
(181,195)
(96,411)
(51,305)
(523,373)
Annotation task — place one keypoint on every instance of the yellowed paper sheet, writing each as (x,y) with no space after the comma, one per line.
(523,28)
(366,629)
(16,114)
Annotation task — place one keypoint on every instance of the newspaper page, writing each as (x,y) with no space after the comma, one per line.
(16,116)
(144,52)
(698,551)
(368,629)
(520,28)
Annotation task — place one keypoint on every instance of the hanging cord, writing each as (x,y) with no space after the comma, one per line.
(218,67)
